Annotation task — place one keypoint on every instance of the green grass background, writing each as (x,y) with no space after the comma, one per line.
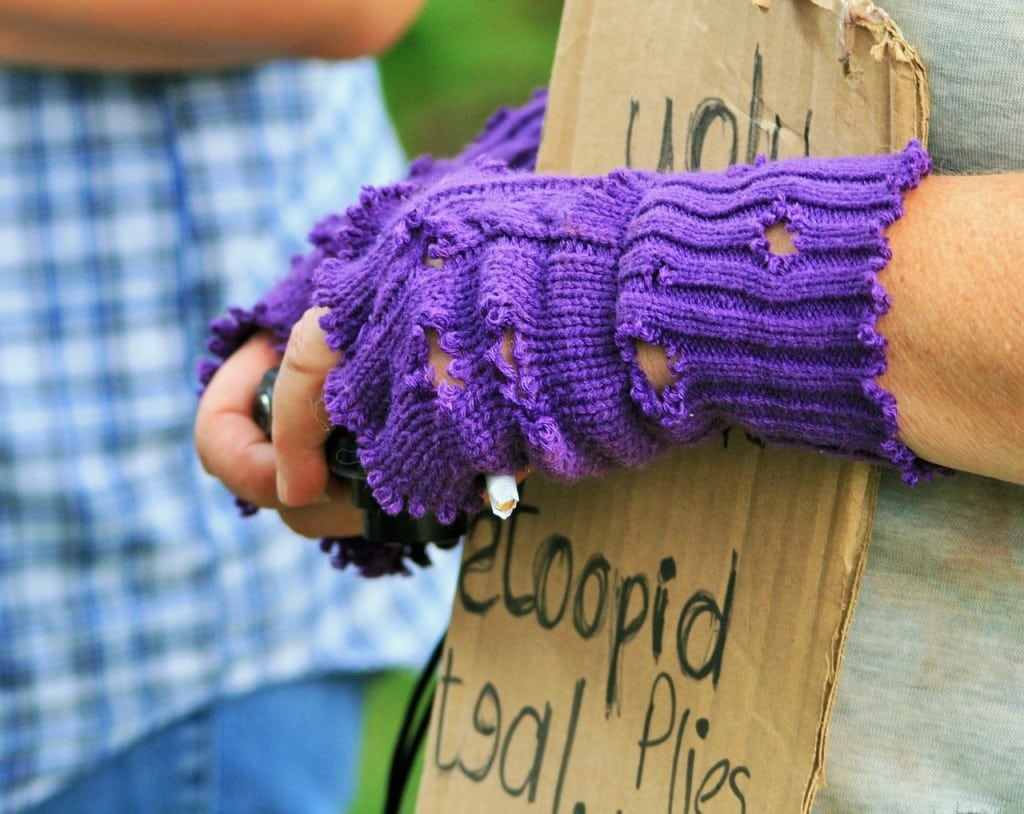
(460,61)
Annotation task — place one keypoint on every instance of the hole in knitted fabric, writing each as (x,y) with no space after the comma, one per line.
(780,238)
(653,361)
(433,262)
(506,349)
(439,360)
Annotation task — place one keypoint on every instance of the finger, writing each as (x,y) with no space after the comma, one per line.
(230,444)
(336,517)
(300,422)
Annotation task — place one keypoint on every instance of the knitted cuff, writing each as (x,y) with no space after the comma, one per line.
(783,345)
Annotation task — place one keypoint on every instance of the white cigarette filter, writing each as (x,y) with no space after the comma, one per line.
(503,493)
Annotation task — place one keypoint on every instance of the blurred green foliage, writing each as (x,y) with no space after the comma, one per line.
(388,698)
(460,61)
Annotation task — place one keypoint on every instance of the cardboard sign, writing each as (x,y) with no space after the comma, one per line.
(670,639)
(702,84)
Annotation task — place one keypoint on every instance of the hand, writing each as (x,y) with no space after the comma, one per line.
(511,136)
(288,475)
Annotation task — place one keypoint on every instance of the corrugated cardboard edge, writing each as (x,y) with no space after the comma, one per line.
(910,114)
(828,5)
(908,77)
(862,520)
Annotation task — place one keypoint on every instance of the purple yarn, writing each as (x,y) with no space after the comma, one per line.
(373,560)
(277,311)
(785,346)
(577,270)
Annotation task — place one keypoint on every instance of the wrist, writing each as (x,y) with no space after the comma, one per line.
(956,327)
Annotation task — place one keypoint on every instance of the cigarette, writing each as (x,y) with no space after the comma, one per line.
(503,493)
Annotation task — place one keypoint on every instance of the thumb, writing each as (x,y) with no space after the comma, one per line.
(300,422)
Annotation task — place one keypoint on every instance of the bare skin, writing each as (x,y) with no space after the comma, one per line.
(956,358)
(289,475)
(172,35)
(956,328)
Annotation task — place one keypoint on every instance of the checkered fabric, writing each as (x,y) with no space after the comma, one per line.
(132,210)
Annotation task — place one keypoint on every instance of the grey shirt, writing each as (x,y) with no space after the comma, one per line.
(930,709)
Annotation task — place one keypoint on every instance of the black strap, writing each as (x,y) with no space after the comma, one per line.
(413,731)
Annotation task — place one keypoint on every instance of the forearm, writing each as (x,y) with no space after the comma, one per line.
(30,48)
(166,35)
(956,326)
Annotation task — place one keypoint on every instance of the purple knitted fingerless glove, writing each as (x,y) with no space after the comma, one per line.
(572,272)
(511,136)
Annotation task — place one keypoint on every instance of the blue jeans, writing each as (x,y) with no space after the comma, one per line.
(289,749)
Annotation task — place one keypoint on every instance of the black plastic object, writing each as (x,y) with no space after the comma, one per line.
(343,460)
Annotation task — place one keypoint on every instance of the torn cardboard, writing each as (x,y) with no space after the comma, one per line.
(706,83)
(670,639)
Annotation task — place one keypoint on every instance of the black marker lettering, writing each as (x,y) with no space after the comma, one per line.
(634,113)
(515,605)
(555,548)
(690,756)
(739,770)
(646,739)
(598,568)
(666,158)
(721,769)
(542,725)
(700,604)
(756,108)
(666,573)
(445,681)
(570,738)
(675,763)
(479,562)
(626,628)
(707,112)
(485,727)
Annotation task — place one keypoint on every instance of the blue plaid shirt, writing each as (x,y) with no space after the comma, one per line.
(132,210)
